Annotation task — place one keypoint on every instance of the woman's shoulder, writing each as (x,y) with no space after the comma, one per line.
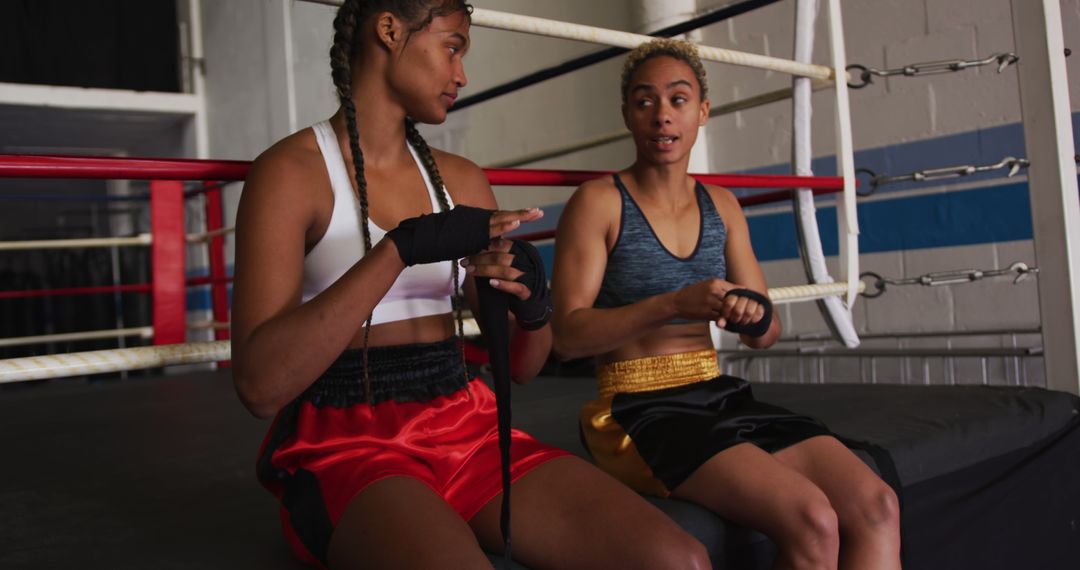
(722,197)
(295,158)
(727,204)
(453,166)
(597,193)
(465,180)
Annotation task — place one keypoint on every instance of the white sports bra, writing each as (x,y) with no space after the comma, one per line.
(419,291)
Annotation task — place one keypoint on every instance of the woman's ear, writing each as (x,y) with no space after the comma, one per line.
(389,29)
(704,116)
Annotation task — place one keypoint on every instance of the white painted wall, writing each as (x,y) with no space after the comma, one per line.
(546,115)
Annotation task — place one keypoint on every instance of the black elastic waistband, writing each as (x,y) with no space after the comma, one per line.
(400,373)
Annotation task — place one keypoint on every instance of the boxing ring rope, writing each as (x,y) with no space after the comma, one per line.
(591,34)
(115,360)
(839,317)
(162,170)
(114,168)
(92,290)
(485,18)
(836,314)
(207,236)
(102,361)
(30,368)
(139,240)
(614,136)
(144,332)
(714,16)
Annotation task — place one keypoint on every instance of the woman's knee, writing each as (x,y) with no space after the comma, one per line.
(812,530)
(876,506)
(678,550)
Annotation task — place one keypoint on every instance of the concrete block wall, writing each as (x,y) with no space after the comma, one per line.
(899,119)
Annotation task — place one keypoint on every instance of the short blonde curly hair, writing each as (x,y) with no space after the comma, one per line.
(681,50)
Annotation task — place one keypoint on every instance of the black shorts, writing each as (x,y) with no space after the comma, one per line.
(674,431)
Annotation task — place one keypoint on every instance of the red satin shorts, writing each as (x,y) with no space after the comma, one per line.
(317,459)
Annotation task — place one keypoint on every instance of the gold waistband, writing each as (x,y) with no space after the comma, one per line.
(656,372)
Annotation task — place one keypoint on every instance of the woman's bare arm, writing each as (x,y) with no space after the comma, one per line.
(743,269)
(280,346)
(529,349)
(580,261)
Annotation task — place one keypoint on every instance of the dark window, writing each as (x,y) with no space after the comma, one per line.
(113,44)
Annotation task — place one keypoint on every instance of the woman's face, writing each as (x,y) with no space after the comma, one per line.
(664,109)
(427,72)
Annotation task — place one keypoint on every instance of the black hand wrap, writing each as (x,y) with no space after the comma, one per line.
(752,329)
(445,236)
(534,312)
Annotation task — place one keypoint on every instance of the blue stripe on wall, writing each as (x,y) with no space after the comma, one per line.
(983,215)
(967,217)
(978,147)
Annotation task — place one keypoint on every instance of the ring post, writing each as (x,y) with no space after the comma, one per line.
(167,261)
(1052,185)
(218,287)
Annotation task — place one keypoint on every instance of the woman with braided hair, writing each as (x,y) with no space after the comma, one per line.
(383,453)
(644,260)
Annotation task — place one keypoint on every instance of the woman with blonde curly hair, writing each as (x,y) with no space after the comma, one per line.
(644,260)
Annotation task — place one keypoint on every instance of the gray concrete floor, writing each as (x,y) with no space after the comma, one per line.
(159,472)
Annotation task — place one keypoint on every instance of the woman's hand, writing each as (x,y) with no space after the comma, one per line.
(708,300)
(494,263)
(506,221)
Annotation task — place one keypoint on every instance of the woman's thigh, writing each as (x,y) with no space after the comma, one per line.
(749,486)
(399,522)
(854,490)
(566,513)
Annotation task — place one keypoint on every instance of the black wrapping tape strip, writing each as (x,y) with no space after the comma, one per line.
(492,318)
(443,236)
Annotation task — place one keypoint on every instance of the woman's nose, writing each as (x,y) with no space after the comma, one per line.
(459,76)
(663,115)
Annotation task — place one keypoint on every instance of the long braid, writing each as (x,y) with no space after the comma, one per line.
(346,24)
(428,160)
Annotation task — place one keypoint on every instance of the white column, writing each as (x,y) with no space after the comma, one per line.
(280,81)
(198,78)
(1055,208)
(652,15)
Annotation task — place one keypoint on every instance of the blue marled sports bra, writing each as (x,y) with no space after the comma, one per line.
(639,266)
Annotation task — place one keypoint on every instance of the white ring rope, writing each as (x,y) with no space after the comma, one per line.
(207,236)
(565,30)
(141,239)
(99,361)
(119,359)
(811,292)
(599,140)
(556,29)
(207,325)
(836,314)
(144,332)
